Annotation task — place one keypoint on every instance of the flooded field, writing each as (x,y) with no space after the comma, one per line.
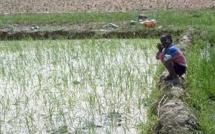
(75,86)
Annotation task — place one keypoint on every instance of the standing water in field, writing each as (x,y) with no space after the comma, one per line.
(78,86)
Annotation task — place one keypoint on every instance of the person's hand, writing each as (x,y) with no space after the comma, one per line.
(160,46)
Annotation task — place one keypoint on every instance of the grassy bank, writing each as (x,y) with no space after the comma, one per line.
(87,25)
(200,82)
(67,17)
(171,19)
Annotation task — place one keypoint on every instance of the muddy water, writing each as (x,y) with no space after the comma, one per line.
(83,87)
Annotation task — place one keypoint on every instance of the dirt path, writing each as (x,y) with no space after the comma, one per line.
(47,6)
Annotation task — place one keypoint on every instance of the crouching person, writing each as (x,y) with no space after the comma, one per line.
(172,57)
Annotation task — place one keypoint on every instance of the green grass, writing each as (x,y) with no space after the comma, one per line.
(200,82)
(186,18)
(171,19)
(78,17)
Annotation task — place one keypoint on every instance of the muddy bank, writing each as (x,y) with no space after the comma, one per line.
(174,115)
(61,34)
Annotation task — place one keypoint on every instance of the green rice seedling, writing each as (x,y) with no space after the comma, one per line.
(79,84)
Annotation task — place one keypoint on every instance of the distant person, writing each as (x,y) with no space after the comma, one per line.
(172,57)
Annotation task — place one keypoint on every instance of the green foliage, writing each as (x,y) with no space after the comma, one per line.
(200,83)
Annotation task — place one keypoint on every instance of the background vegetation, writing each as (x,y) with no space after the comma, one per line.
(200,81)
(169,18)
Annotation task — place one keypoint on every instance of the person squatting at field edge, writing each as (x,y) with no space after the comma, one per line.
(171,56)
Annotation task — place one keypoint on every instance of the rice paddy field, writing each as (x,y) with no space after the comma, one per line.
(75,86)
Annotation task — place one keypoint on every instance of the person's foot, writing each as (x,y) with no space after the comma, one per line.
(168,77)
